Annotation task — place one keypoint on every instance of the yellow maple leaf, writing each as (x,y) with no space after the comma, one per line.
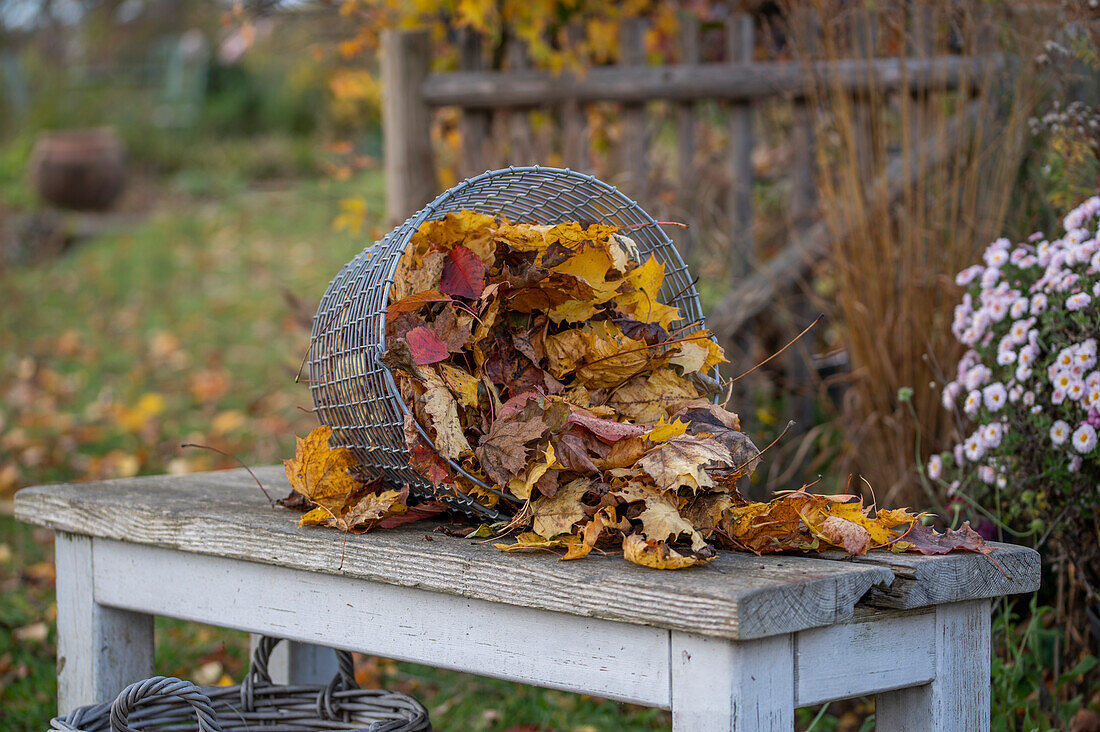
(656,555)
(320,473)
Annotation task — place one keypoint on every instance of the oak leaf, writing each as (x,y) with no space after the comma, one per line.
(503,452)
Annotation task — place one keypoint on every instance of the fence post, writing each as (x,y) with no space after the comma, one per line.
(799,363)
(632,146)
(574,127)
(521,146)
(474,123)
(406,123)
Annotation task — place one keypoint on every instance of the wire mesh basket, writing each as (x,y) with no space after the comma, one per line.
(166,703)
(354,392)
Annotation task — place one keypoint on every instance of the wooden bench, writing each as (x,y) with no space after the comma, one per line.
(739,643)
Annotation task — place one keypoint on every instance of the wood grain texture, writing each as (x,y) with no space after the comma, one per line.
(736,596)
(921,581)
(613,660)
(100,650)
(224,514)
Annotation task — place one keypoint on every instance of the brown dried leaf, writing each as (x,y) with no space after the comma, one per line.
(556,515)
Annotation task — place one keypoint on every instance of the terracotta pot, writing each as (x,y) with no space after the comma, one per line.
(81,169)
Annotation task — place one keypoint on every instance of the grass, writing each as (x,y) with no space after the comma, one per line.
(189,327)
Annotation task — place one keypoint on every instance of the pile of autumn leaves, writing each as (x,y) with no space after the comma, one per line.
(554,385)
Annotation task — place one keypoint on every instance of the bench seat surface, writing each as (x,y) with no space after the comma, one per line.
(736,596)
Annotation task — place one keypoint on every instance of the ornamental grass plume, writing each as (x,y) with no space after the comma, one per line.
(903,227)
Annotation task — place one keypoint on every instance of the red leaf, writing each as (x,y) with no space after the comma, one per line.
(425,346)
(415,513)
(463,273)
(607,430)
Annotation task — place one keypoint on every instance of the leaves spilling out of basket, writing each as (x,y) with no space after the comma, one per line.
(543,376)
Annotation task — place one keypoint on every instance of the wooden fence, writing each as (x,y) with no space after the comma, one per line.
(736,83)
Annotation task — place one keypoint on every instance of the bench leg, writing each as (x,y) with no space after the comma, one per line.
(719,686)
(300,663)
(100,650)
(958,698)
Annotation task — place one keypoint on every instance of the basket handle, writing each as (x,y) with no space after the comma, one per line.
(166,686)
(259,675)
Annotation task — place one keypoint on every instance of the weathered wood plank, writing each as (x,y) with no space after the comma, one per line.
(925,580)
(406,123)
(100,650)
(623,662)
(222,513)
(958,698)
(730,82)
(894,651)
(718,686)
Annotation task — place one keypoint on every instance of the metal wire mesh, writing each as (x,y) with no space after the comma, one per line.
(355,394)
(165,703)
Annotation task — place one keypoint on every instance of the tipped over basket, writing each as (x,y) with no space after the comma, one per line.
(355,393)
(163,703)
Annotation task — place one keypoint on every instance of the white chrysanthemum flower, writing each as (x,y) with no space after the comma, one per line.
(1078,301)
(1019,308)
(991,435)
(1084,439)
(935,467)
(1028,398)
(973,448)
(994,396)
(968,275)
(1076,390)
(973,402)
(1006,357)
(1038,303)
(1059,432)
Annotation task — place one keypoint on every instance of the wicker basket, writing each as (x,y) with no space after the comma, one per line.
(355,394)
(167,703)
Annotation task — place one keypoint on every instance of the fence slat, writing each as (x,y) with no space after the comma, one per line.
(632,146)
(474,123)
(799,359)
(406,123)
(574,125)
(685,128)
(521,144)
(742,248)
(745,82)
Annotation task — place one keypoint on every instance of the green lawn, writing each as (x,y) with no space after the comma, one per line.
(185,328)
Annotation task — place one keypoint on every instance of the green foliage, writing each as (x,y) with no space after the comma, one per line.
(1024,656)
